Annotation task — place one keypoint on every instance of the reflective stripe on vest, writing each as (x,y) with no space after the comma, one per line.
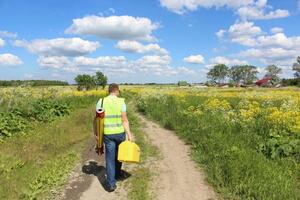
(113,120)
(112,125)
(112,116)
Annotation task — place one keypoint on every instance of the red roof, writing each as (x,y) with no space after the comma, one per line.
(263,81)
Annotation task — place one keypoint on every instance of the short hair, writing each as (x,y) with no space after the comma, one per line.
(113,88)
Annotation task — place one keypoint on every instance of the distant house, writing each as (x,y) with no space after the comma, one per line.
(264,82)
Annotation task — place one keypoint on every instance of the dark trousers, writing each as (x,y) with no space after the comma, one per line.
(113,166)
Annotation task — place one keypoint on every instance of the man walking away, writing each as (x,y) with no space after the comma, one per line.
(115,126)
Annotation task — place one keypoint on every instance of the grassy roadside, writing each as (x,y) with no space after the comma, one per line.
(32,164)
(139,183)
(226,150)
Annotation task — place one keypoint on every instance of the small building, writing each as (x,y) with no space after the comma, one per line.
(264,82)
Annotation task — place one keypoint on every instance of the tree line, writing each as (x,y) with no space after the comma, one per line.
(220,74)
(6,83)
(247,74)
(87,82)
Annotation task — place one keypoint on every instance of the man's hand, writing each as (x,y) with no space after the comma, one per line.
(100,150)
(130,137)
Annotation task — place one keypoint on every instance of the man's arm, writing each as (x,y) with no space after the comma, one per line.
(126,126)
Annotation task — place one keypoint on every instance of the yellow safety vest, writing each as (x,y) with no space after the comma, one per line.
(112,121)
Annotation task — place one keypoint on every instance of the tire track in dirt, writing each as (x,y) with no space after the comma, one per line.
(175,175)
(87,180)
(178,176)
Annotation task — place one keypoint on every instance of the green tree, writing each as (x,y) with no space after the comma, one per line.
(245,74)
(249,74)
(272,71)
(32,83)
(296,68)
(183,83)
(218,73)
(85,81)
(236,74)
(100,79)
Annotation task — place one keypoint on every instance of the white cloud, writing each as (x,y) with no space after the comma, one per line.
(9,60)
(277,56)
(84,64)
(156,65)
(136,47)
(60,63)
(155,60)
(276,30)
(279,40)
(2,42)
(246,9)
(275,48)
(55,62)
(102,62)
(226,61)
(261,3)
(247,34)
(194,59)
(115,65)
(185,70)
(181,6)
(258,13)
(114,27)
(172,71)
(221,33)
(242,33)
(7,34)
(59,46)
(160,66)
(269,55)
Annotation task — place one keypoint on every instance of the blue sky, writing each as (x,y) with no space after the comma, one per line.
(145,41)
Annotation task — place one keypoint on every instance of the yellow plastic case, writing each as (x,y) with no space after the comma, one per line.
(129,152)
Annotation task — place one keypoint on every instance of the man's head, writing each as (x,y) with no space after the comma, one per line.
(113,89)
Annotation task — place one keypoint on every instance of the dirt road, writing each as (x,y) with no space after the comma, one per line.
(177,176)
(87,181)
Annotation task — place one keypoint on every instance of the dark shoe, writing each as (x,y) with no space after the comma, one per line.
(122,176)
(111,188)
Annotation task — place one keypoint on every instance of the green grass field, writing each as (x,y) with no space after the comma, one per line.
(246,140)
(245,151)
(42,140)
(51,134)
